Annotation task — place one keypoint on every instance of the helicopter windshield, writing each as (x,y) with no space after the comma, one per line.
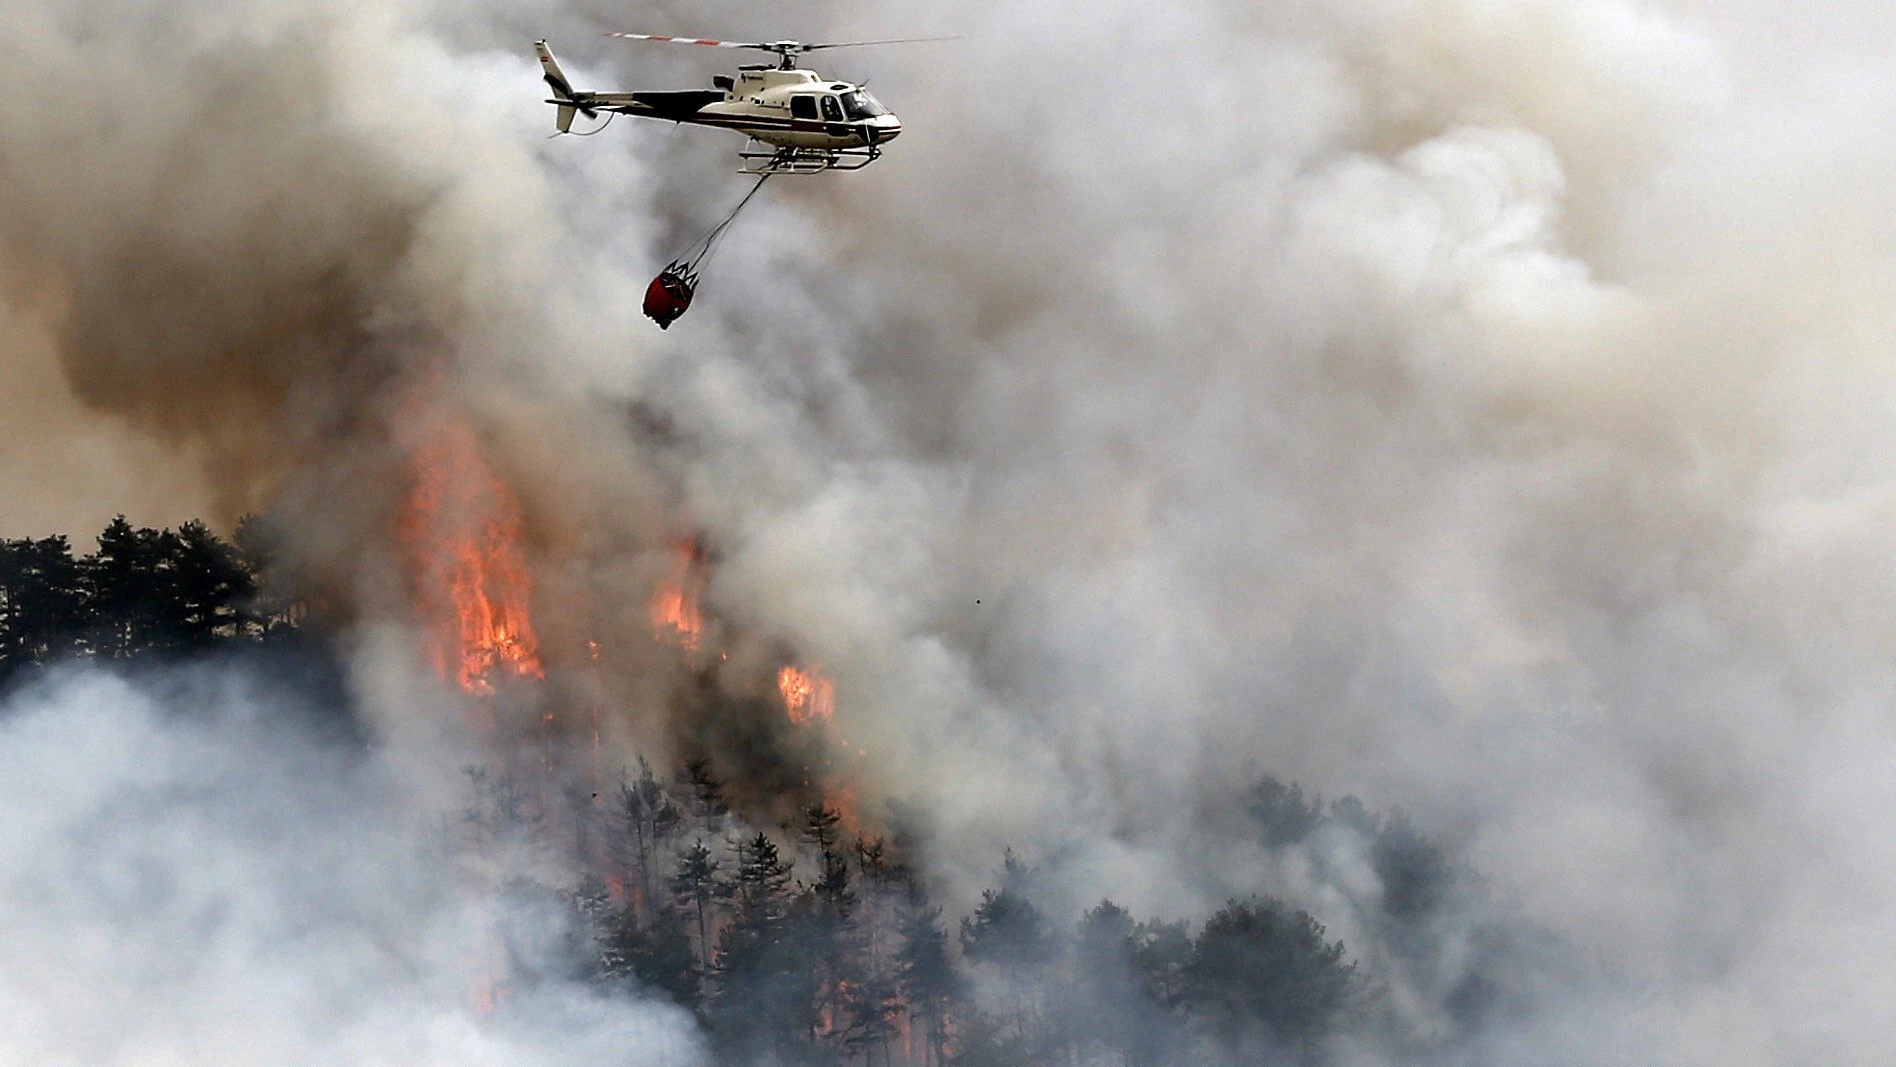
(858,104)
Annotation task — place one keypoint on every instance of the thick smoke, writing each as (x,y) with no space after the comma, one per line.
(1480,408)
(190,878)
(68,468)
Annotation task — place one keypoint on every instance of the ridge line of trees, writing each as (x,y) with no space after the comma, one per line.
(142,593)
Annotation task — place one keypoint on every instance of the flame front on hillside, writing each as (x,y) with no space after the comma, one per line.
(462,526)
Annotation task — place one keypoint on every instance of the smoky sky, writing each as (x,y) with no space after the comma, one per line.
(1479,408)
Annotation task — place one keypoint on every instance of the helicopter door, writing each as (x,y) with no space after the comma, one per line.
(832,109)
(803,107)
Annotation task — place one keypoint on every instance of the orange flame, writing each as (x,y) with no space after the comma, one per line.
(807,695)
(463,525)
(675,615)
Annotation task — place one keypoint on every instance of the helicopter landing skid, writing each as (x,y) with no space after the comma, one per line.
(807,160)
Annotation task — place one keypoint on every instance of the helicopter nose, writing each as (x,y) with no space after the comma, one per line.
(885,128)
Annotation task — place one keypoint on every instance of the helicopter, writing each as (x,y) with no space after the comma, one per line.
(798,121)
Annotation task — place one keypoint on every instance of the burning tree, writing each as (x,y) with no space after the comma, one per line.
(462,526)
(674,605)
(807,695)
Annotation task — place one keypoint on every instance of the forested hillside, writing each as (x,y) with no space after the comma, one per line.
(809,943)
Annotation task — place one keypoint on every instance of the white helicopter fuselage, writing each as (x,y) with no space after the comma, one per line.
(800,109)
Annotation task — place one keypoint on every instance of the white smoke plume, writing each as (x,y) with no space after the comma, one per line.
(191,877)
(1479,408)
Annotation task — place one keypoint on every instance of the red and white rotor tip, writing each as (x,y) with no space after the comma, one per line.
(682,40)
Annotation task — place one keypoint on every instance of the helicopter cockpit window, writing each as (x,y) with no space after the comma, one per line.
(803,107)
(860,105)
(832,111)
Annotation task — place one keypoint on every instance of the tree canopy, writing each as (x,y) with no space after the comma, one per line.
(142,593)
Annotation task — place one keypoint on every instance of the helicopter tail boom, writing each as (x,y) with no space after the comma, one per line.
(563,95)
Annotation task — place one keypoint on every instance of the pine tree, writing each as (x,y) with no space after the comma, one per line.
(825,927)
(873,1005)
(884,881)
(1262,976)
(1007,933)
(43,603)
(1099,1003)
(694,886)
(925,974)
(760,887)
(211,584)
(650,819)
(765,988)
(1115,996)
(655,954)
(1281,813)
(590,919)
(130,578)
(1160,952)
(822,827)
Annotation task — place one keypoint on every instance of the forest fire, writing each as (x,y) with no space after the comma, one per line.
(462,525)
(807,695)
(674,605)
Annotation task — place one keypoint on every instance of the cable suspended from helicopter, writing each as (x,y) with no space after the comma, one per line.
(669,295)
(797,122)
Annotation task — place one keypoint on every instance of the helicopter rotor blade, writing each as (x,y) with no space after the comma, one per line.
(865,44)
(780,47)
(662,39)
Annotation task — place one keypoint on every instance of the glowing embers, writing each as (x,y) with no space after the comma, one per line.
(675,615)
(807,695)
(462,525)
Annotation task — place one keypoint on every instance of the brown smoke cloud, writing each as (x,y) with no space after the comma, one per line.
(66,468)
